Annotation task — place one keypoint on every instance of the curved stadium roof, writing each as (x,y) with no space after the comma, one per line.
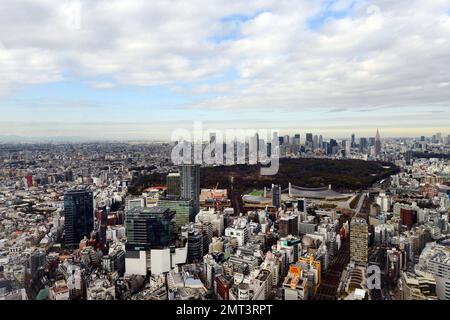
(314,193)
(255,199)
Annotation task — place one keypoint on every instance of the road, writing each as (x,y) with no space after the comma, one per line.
(360,203)
(331,279)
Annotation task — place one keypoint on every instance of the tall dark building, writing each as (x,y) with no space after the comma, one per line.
(195,246)
(173,185)
(409,157)
(288,226)
(102,218)
(37,264)
(276,196)
(333,147)
(353,143)
(78,216)
(297,139)
(408,218)
(190,186)
(378,144)
(363,145)
(309,140)
(150,228)
(68,175)
(301,205)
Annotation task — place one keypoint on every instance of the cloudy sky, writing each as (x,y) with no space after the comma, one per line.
(139,69)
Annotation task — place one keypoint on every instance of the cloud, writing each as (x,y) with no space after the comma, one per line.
(380,54)
(102,84)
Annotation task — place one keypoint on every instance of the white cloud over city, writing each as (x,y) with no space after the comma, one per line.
(232,55)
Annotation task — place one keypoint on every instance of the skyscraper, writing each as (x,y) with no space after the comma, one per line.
(151,241)
(363,145)
(190,186)
(309,140)
(346,148)
(78,216)
(276,196)
(37,264)
(359,240)
(353,143)
(297,139)
(333,147)
(182,207)
(378,144)
(150,228)
(301,205)
(173,185)
(316,142)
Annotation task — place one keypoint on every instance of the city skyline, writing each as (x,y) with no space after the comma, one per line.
(75,72)
(340,135)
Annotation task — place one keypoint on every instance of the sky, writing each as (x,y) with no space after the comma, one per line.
(138,70)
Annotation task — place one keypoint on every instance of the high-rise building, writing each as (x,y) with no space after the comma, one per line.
(182,207)
(309,140)
(378,144)
(195,246)
(353,143)
(276,196)
(346,148)
(363,145)
(359,240)
(78,216)
(408,217)
(297,139)
(301,205)
(150,228)
(288,226)
(190,186)
(286,139)
(102,218)
(409,157)
(333,147)
(37,264)
(173,185)
(316,142)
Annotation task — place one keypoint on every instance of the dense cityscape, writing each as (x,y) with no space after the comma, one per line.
(264,159)
(71,229)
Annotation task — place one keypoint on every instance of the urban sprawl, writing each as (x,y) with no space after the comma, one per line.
(70,229)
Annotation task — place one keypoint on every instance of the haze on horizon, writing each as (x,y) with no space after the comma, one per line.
(111,69)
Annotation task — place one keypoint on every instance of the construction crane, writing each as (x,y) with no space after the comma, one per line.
(217,204)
